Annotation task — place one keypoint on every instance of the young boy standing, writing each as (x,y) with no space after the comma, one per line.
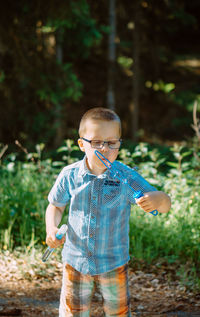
(96,250)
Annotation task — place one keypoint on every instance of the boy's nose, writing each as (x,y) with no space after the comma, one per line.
(105,147)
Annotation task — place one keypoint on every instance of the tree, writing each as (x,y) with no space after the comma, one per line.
(111,55)
(37,82)
(134,107)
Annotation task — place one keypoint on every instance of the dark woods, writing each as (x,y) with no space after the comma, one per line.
(139,57)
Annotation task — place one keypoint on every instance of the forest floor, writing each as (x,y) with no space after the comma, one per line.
(29,287)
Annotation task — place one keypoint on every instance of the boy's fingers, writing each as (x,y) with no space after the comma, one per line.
(144,204)
(52,241)
(59,241)
(141,202)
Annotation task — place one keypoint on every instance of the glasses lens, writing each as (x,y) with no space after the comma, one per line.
(115,144)
(97,144)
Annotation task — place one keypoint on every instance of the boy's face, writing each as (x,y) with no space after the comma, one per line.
(101,131)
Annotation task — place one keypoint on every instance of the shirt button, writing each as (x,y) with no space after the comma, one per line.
(91,235)
(94,197)
(89,253)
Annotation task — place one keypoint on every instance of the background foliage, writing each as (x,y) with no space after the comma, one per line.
(173,237)
(54,66)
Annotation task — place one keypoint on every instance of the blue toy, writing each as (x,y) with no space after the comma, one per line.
(59,235)
(116,174)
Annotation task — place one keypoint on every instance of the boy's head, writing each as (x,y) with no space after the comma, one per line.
(98,114)
(100,129)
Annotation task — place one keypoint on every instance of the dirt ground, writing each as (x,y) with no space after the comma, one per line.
(29,287)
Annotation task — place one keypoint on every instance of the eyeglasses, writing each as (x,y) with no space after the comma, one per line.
(96,144)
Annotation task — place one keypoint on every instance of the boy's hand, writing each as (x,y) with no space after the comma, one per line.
(156,200)
(51,239)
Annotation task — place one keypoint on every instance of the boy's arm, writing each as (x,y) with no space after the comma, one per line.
(53,217)
(155,200)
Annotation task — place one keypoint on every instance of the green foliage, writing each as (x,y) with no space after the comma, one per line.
(67,88)
(70,153)
(23,192)
(160,85)
(54,53)
(172,237)
(125,62)
(186,98)
(43,79)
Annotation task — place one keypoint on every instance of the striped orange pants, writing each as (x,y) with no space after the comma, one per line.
(77,290)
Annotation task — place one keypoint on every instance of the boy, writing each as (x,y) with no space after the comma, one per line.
(96,250)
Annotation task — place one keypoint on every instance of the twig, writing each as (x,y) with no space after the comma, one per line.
(3,150)
(196,128)
(23,149)
(196,125)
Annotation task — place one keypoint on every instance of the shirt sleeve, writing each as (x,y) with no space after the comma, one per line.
(59,194)
(138,183)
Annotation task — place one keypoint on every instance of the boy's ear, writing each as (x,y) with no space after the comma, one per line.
(81,146)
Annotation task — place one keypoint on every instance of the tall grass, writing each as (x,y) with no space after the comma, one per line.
(174,236)
(23,201)
(177,233)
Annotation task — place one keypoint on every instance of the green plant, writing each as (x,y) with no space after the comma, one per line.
(174,237)
(70,153)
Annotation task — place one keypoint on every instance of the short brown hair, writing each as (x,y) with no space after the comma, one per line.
(98,113)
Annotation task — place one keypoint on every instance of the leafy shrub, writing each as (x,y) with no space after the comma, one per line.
(174,236)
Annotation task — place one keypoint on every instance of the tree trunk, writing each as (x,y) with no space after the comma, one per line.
(134,107)
(111,56)
(58,107)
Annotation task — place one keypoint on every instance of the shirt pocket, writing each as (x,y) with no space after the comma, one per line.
(111,196)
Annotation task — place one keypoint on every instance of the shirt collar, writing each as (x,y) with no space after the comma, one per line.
(83,170)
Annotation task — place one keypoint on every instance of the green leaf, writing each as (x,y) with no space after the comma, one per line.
(173,164)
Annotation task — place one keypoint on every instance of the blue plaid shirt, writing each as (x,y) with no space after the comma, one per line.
(97,240)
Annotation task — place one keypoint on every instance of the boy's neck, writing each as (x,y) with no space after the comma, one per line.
(95,169)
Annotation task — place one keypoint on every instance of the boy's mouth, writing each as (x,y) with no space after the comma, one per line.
(105,162)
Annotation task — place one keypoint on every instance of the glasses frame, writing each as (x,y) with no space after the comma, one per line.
(103,143)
